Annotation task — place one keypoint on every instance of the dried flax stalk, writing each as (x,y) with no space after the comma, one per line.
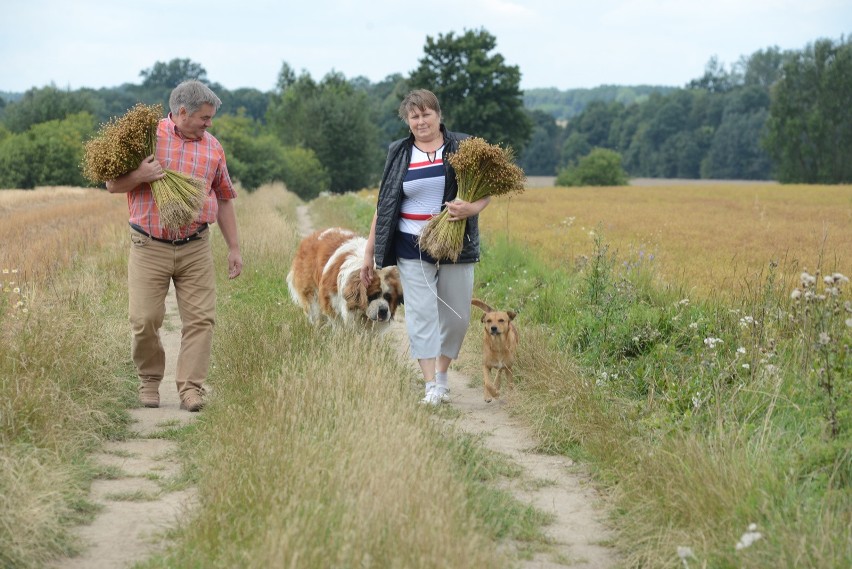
(120,146)
(482,169)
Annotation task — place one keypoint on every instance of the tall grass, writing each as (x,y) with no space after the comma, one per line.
(63,365)
(703,416)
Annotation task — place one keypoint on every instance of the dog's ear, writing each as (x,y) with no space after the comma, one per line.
(355,293)
(394,281)
(484,316)
(511,314)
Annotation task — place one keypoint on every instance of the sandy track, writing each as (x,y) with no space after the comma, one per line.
(136,510)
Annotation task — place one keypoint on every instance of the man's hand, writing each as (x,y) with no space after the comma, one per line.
(150,169)
(235,264)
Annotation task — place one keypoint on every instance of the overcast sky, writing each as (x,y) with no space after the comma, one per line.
(555,43)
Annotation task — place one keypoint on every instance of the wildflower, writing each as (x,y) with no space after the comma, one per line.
(746,321)
(824,338)
(685,553)
(849,322)
(741,350)
(16,290)
(836,278)
(696,401)
(746,366)
(684,302)
(749,537)
(5,271)
(693,325)
(807,279)
(711,342)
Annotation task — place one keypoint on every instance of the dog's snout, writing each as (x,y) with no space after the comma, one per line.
(383,314)
(495,330)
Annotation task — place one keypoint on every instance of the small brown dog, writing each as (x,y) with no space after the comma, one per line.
(498,347)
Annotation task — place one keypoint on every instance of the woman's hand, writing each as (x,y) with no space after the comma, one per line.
(458,210)
(367,272)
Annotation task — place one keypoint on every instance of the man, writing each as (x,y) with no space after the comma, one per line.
(159,255)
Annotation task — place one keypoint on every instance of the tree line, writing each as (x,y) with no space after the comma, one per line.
(774,114)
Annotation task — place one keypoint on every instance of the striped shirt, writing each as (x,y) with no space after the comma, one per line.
(423,191)
(203,158)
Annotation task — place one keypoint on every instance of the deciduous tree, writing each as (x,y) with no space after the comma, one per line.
(478,91)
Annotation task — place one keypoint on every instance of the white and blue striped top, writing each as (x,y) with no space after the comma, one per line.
(423,191)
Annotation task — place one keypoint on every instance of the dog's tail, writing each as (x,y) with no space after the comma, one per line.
(479,304)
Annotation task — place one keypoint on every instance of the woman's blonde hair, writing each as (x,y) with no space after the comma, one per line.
(420,99)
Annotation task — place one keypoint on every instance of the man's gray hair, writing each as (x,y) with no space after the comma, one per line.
(191,95)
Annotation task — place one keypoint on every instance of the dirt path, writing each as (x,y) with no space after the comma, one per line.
(137,506)
(553,484)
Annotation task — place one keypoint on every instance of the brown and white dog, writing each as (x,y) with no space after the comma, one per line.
(498,347)
(325,281)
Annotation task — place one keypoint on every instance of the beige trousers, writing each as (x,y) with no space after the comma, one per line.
(152,265)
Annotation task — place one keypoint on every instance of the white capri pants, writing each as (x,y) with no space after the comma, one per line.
(435,329)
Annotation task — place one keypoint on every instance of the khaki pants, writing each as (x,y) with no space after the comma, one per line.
(151,267)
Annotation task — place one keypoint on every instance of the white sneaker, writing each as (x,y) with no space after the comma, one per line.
(439,394)
(429,387)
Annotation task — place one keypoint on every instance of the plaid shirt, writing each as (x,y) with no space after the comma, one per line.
(203,158)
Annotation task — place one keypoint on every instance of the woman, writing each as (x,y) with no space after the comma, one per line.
(416,184)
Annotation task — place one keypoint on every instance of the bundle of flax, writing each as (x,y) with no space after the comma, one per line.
(482,169)
(120,146)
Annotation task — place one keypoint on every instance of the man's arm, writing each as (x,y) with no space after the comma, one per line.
(227,220)
(148,171)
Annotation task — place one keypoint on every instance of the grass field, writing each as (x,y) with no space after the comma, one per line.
(698,414)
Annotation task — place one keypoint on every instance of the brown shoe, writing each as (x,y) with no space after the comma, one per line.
(149,393)
(192,402)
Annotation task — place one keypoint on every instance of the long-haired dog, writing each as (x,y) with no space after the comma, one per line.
(325,281)
(499,344)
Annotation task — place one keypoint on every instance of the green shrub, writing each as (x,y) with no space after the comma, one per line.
(304,174)
(600,167)
(48,154)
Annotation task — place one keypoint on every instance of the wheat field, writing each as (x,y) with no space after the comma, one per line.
(709,238)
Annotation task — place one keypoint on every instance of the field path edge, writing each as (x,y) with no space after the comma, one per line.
(136,509)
